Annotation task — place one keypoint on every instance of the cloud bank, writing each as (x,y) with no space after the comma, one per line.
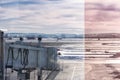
(102,16)
(42,16)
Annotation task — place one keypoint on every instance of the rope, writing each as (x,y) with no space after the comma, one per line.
(24,57)
(10,51)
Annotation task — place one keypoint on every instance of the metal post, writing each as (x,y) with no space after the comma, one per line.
(39,74)
(1,57)
(23,75)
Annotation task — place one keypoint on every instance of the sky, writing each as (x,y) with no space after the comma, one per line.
(102,16)
(42,16)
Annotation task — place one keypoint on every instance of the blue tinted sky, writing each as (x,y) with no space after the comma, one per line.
(42,16)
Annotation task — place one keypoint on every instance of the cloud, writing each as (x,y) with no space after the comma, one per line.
(102,7)
(42,16)
(101,12)
(102,16)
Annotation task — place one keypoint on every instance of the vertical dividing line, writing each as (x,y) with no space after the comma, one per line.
(84,27)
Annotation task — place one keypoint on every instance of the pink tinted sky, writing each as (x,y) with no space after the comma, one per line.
(102,16)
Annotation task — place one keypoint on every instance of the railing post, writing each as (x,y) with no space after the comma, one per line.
(1,57)
(39,74)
